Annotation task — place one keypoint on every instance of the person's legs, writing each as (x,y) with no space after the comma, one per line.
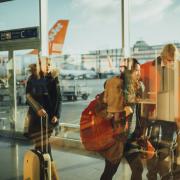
(109,170)
(164,167)
(152,168)
(176,171)
(135,163)
(163,162)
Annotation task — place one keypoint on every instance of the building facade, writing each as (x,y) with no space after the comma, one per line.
(108,60)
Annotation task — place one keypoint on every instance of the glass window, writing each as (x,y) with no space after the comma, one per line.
(92,52)
(150,32)
(6,99)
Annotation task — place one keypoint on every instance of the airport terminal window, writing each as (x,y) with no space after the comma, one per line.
(13,111)
(148,40)
(6,88)
(10,116)
(91,52)
(89,55)
(22,61)
(85,38)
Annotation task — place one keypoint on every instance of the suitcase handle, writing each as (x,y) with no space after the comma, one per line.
(46,133)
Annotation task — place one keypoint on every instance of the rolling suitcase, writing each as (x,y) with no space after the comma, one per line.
(37,164)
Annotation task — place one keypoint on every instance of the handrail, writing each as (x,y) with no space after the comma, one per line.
(57,142)
(69,127)
(72,146)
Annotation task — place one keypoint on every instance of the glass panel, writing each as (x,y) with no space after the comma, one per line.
(22,61)
(11,18)
(85,64)
(6,92)
(80,82)
(147,44)
(153,45)
(91,53)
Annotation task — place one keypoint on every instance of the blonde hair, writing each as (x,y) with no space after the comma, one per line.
(169,49)
(42,64)
(42,67)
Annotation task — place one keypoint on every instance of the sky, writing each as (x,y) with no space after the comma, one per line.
(96,24)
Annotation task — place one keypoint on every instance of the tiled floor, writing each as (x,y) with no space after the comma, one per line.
(70,166)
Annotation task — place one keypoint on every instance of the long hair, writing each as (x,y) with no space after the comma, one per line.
(129,87)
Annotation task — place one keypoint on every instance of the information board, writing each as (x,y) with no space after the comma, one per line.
(24,33)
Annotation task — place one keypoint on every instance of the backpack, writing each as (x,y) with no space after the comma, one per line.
(96,132)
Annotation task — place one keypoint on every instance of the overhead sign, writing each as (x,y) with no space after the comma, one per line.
(4,0)
(15,34)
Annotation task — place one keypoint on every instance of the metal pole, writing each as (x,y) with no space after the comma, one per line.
(122,25)
(125,28)
(12,88)
(15,92)
(43,21)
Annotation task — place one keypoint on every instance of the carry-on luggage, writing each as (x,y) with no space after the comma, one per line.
(37,163)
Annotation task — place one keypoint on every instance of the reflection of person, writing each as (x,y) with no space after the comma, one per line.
(160,164)
(155,77)
(133,92)
(54,92)
(43,97)
(112,166)
(11,95)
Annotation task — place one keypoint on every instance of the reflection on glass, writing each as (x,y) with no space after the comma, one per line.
(6,92)
(23,60)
